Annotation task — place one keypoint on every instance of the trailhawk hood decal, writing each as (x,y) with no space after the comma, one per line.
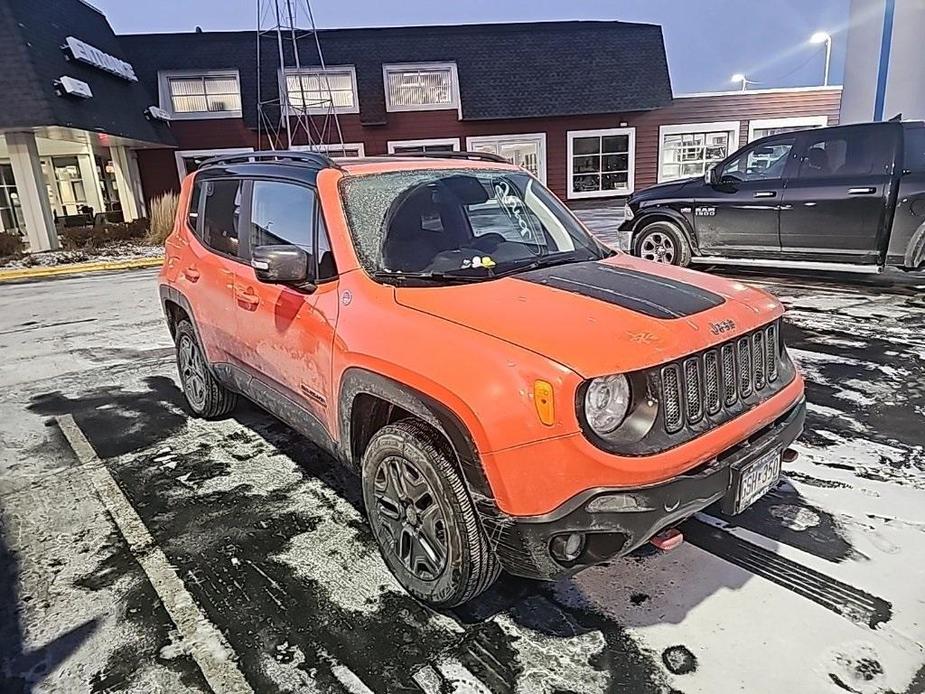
(617,315)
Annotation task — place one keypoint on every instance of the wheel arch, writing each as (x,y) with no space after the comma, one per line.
(368,400)
(664,214)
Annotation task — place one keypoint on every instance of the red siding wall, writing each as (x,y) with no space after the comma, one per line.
(159,170)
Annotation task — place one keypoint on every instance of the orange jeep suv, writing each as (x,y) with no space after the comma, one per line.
(512,393)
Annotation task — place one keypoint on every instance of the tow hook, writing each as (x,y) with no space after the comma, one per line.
(789,455)
(667,539)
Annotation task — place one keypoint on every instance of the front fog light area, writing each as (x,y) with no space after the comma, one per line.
(607,401)
(566,548)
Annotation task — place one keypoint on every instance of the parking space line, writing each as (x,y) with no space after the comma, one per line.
(204,642)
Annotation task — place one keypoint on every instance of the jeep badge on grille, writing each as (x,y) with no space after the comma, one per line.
(724,326)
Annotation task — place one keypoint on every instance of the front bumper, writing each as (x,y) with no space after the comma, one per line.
(523,542)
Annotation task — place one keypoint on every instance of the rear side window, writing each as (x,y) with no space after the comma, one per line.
(915,150)
(192,214)
(847,152)
(219,227)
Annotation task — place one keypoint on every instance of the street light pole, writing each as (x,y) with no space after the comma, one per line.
(824,37)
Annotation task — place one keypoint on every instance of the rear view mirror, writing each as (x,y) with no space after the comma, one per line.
(282,265)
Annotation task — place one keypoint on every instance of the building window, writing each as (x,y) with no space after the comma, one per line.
(774,126)
(200,95)
(690,149)
(527,151)
(601,162)
(317,91)
(420,87)
(191,159)
(11,219)
(445,144)
(335,150)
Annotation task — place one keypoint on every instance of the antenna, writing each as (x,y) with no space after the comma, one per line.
(300,109)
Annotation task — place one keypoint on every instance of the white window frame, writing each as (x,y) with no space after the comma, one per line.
(403,67)
(733,127)
(166,103)
(332,148)
(454,141)
(540,138)
(571,135)
(794,122)
(180,154)
(312,70)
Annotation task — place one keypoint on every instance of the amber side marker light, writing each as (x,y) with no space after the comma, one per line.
(543,400)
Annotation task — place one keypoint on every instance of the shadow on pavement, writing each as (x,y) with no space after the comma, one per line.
(22,669)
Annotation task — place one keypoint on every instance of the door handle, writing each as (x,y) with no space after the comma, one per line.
(192,274)
(766,194)
(867,190)
(247,297)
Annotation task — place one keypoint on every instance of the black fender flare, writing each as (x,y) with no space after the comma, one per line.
(359,381)
(656,214)
(174,295)
(915,249)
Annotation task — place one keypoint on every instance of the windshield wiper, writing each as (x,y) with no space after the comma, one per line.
(543,261)
(436,277)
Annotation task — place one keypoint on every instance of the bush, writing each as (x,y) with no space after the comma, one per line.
(74,238)
(11,245)
(163,213)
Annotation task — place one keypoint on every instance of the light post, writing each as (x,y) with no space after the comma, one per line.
(739,77)
(824,37)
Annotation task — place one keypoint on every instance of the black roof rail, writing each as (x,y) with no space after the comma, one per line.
(314,159)
(474,156)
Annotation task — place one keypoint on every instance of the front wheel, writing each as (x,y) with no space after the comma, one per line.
(424,522)
(663,242)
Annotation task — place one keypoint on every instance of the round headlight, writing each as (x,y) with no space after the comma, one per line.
(606,403)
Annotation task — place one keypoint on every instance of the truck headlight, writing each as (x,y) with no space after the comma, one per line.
(628,212)
(607,401)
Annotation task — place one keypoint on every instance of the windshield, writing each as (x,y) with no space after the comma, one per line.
(467,222)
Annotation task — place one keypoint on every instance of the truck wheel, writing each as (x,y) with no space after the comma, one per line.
(663,242)
(421,515)
(206,396)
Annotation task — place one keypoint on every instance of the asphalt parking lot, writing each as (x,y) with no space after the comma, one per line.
(820,587)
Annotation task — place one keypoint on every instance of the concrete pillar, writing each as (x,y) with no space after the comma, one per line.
(91,181)
(33,195)
(127,182)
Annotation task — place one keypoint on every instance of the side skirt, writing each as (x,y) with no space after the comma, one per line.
(787,264)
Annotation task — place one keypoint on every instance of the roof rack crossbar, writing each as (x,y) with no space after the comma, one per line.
(474,156)
(317,159)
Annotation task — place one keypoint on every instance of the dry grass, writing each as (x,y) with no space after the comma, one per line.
(163,212)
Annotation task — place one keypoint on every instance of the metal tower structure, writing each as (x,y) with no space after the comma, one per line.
(293,109)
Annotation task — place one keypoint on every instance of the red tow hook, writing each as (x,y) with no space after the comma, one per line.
(667,539)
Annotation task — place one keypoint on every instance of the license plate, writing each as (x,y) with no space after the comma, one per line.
(755,479)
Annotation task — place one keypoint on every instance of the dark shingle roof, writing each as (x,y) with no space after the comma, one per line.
(31,35)
(505,70)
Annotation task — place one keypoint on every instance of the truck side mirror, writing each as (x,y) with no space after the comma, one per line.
(711,177)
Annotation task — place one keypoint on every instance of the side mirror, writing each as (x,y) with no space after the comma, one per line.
(711,177)
(282,265)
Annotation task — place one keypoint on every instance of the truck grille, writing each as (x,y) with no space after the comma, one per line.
(719,378)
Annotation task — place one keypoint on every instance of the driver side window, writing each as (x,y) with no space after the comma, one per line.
(761,162)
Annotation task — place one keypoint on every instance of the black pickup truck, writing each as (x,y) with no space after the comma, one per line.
(849,197)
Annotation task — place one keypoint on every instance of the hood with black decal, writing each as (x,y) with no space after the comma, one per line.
(600,317)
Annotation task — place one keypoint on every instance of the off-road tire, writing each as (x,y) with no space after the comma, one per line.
(211,399)
(471,565)
(681,247)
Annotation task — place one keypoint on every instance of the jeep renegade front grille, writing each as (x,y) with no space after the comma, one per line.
(719,378)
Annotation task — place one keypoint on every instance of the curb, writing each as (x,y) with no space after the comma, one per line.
(27,273)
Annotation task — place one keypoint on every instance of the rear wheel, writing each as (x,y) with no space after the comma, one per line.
(421,515)
(205,396)
(663,242)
